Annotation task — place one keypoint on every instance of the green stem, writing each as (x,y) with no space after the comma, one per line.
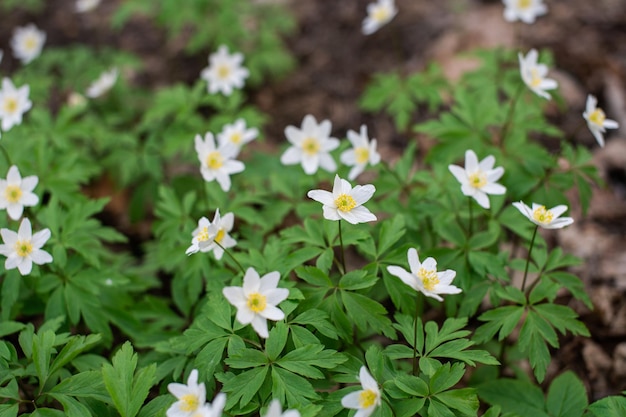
(343,255)
(231,257)
(509,116)
(417,313)
(471,215)
(530,250)
(6,155)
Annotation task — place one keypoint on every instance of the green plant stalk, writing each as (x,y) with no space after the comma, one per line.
(231,257)
(471,216)
(6,155)
(343,255)
(417,313)
(530,250)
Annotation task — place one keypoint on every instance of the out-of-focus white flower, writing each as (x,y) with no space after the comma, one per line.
(217,163)
(365,400)
(257,299)
(310,146)
(548,219)
(363,152)
(534,74)
(424,276)
(191,396)
(213,236)
(478,178)
(76,99)
(27,42)
(237,134)
(16,192)
(345,202)
(103,84)
(14,103)
(83,6)
(224,72)
(22,249)
(596,120)
(276,410)
(524,10)
(378,14)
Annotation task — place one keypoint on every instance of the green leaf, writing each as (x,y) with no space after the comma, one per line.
(247,358)
(85,384)
(502,318)
(567,396)
(71,406)
(438,409)
(244,386)
(412,385)
(307,359)
(464,400)
(445,377)
(319,320)
(42,351)
(391,231)
(9,410)
(314,276)
(277,340)
(357,280)
(127,389)
(292,388)
(73,348)
(514,396)
(366,312)
(612,406)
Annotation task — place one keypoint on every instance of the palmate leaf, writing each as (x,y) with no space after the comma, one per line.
(292,388)
(243,387)
(307,359)
(367,313)
(567,396)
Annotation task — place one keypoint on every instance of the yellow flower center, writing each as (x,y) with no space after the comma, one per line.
(310,146)
(236,138)
(524,4)
(542,215)
(30,43)
(203,235)
(367,398)
(535,78)
(429,278)
(220,235)
(13,193)
(362,155)
(189,402)
(380,14)
(597,117)
(345,202)
(23,248)
(257,302)
(223,71)
(478,179)
(214,160)
(10,105)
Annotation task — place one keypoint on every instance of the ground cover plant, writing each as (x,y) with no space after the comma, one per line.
(305,277)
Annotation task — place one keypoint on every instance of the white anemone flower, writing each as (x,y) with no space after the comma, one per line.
(365,400)
(257,299)
(217,163)
(27,42)
(213,236)
(84,6)
(548,219)
(378,14)
(191,396)
(103,84)
(224,72)
(22,249)
(596,120)
(534,74)
(16,192)
(424,276)
(276,410)
(524,10)
(14,103)
(478,178)
(310,146)
(345,202)
(363,152)
(237,134)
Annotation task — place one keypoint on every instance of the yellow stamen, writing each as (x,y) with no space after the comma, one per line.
(380,14)
(214,160)
(367,398)
(478,179)
(362,155)
(13,193)
(203,235)
(189,402)
(223,71)
(257,302)
(220,235)
(23,248)
(345,203)
(310,146)
(236,138)
(597,117)
(524,4)
(429,278)
(535,78)
(10,105)
(542,215)
(30,42)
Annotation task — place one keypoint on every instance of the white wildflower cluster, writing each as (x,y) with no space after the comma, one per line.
(213,236)
(191,399)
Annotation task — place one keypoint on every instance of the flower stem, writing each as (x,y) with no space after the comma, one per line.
(343,255)
(417,313)
(471,216)
(231,257)
(509,116)
(6,155)
(530,250)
